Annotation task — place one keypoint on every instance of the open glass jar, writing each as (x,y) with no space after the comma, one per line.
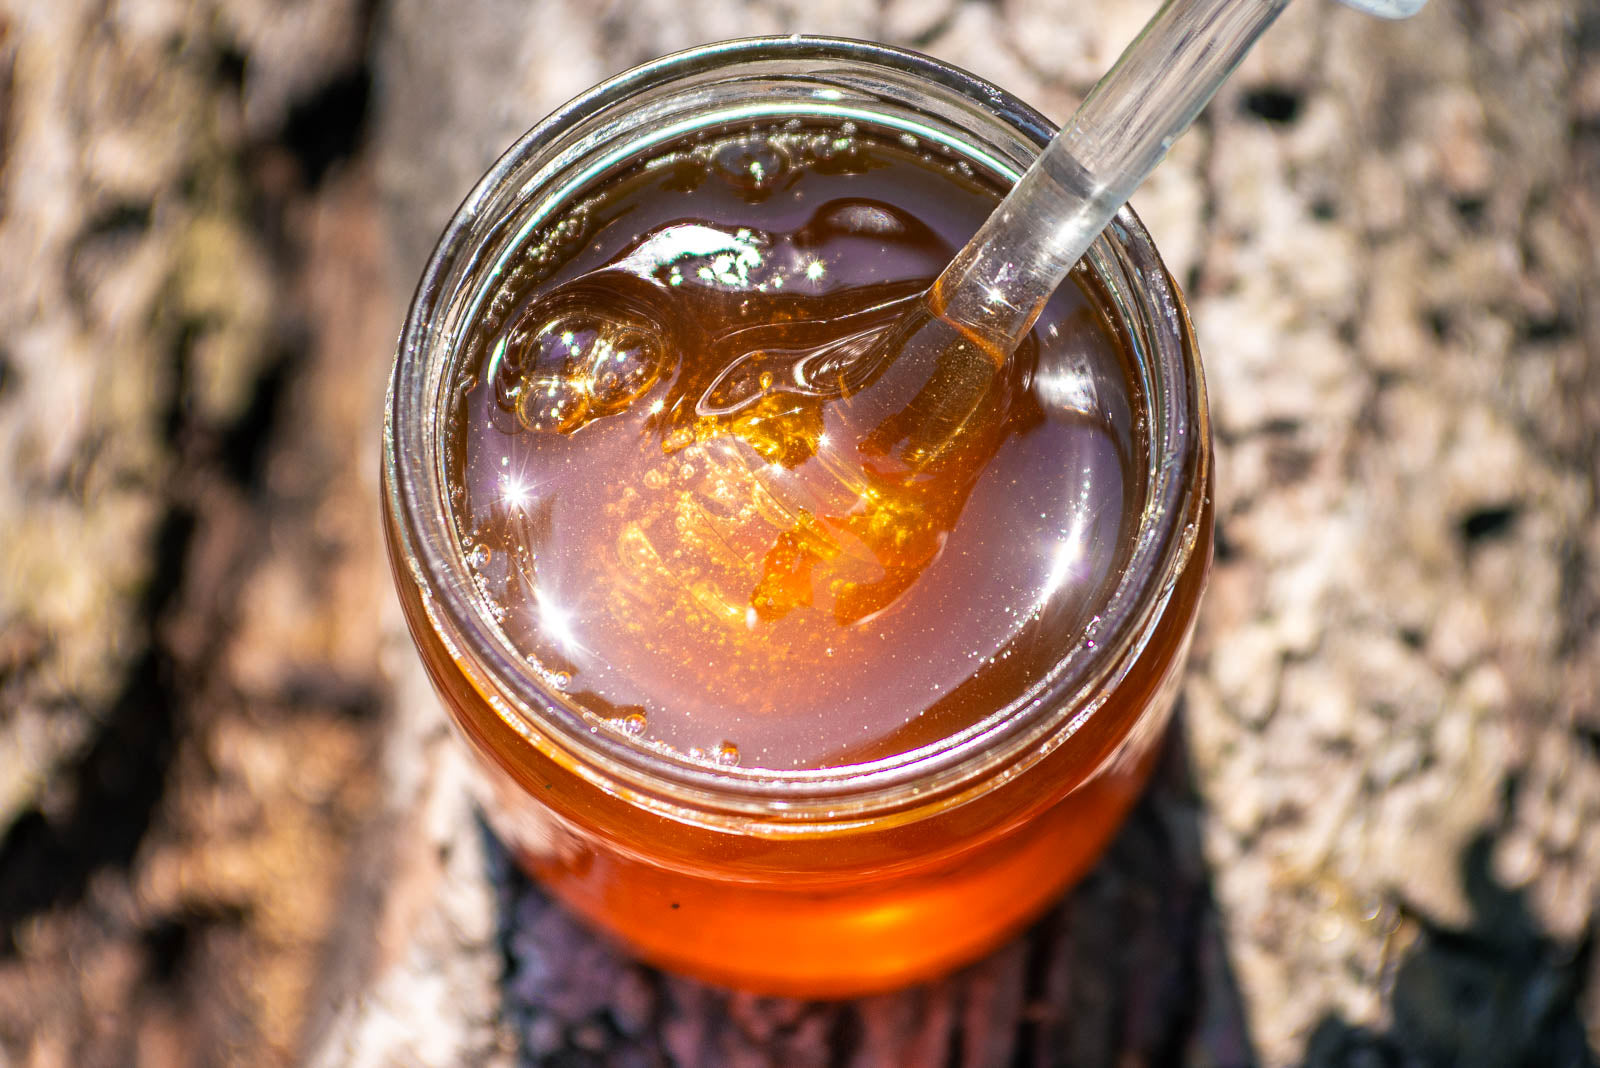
(840,877)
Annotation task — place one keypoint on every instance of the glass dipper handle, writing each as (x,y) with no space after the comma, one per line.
(997,284)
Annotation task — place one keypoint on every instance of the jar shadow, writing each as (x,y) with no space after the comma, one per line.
(1128,967)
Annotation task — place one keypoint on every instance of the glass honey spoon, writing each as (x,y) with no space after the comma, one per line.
(903,433)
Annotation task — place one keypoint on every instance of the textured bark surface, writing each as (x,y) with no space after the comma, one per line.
(233,825)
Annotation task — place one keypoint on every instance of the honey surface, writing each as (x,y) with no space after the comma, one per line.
(712,524)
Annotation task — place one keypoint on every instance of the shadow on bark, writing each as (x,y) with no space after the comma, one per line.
(1499,993)
(1129,968)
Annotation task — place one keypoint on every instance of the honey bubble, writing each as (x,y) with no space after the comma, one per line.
(553,403)
(752,163)
(625,360)
(575,366)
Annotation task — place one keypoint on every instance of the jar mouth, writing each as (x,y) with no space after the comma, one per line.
(775,77)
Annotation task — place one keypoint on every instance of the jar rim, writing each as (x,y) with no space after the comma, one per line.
(1048,715)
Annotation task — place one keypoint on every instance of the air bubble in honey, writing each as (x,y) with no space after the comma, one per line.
(575,366)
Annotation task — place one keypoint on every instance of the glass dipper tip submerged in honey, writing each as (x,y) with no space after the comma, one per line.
(795,609)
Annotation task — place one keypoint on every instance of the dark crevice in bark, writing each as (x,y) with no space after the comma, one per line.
(117,784)
(244,446)
(1273,103)
(328,126)
(1488,524)
(170,942)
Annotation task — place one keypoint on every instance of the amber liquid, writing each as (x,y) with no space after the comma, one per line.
(861,559)
(716,524)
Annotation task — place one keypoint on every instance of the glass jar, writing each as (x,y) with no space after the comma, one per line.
(821,882)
